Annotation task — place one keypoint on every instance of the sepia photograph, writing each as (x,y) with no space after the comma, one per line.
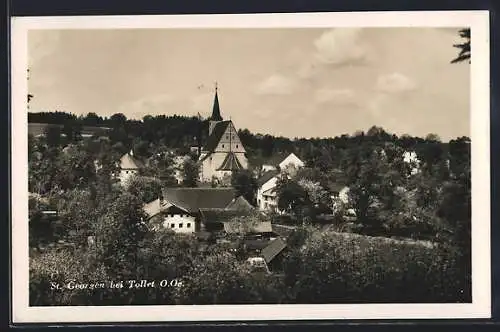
(264,165)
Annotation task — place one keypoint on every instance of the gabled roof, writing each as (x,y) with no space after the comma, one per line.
(193,199)
(255,244)
(276,159)
(127,161)
(259,227)
(283,230)
(273,249)
(215,136)
(267,176)
(221,215)
(230,163)
(152,208)
(240,204)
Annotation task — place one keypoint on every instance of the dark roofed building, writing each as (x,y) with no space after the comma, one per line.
(266,176)
(193,199)
(273,249)
(129,166)
(189,210)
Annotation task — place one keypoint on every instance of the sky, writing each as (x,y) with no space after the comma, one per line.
(306,82)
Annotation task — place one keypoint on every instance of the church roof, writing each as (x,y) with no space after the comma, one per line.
(193,199)
(216,135)
(230,163)
(216,109)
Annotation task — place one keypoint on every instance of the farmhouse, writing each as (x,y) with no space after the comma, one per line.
(282,161)
(266,192)
(129,166)
(223,152)
(184,210)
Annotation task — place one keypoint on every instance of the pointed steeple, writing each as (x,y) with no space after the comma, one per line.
(216,109)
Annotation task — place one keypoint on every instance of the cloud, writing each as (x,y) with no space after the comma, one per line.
(395,83)
(341,47)
(276,85)
(335,96)
(155,104)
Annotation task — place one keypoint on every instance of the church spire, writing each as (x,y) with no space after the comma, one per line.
(216,110)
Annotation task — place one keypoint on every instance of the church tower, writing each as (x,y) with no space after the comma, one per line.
(216,117)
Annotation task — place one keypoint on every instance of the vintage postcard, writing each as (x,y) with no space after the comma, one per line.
(250,167)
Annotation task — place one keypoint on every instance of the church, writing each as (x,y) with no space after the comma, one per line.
(223,152)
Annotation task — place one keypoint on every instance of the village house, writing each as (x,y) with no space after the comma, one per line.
(281,161)
(266,192)
(411,159)
(223,152)
(180,209)
(129,166)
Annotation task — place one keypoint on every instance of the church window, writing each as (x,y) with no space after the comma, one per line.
(188,225)
(222,145)
(236,145)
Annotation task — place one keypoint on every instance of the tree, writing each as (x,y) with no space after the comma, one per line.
(145,188)
(245,185)
(53,136)
(118,231)
(190,173)
(464,54)
(292,197)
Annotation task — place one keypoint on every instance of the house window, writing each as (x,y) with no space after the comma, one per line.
(236,145)
(227,136)
(188,225)
(222,145)
(126,172)
(180,225)
(172,225)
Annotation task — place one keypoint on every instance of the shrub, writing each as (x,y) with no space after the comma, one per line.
(336,267)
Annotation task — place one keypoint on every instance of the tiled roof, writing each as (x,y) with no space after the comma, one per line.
(240,204)
(258,227)
(152,208)
(267,176)
(193,199)
(128,161)
(220,215)
(215,136)
(273,249)
(256,244)
(230,163)
(276,159)
(283,230)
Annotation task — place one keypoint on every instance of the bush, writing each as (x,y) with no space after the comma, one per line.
(336,267)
